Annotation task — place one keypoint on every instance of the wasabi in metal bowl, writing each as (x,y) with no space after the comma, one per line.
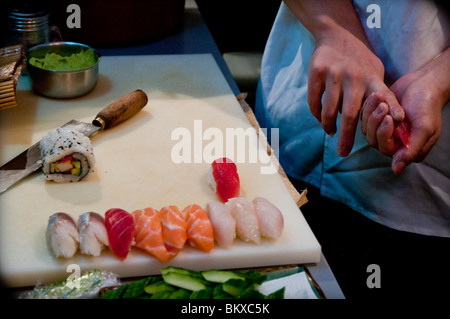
(63,69)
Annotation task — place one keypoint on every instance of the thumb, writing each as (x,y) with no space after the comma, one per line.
(418,149)
(398,163)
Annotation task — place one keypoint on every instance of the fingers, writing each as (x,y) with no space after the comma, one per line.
(387,143)
(316,88)
(330,106)
(395,109)
(422,141)
(373,121)
(326,97)
(351,106)
(377,121)
(369,106)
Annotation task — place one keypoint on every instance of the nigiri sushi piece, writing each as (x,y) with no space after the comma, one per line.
(148,233)
(174,228)
(247,224)
(223,223)
(120,229)
(271,221)
(62,235)
(200,233)
(92,231)
(224,179)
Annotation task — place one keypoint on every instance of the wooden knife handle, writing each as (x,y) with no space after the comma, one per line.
(121,109)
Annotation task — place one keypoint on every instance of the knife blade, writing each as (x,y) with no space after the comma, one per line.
(115,113)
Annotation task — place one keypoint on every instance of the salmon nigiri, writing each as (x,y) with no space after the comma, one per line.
(174,229)
(120,228)
(148,233)
(199,229)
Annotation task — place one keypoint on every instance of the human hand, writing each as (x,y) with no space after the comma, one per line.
(343,71)
(423,94)
(423,113)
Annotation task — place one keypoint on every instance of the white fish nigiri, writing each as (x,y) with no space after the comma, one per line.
(62,235)
(93,236)
(223,223)
(247,224)
(271,222)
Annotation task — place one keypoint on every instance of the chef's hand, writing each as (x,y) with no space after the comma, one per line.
(423,94)
(343,69)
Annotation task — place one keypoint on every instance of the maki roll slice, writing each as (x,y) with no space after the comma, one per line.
(67,155)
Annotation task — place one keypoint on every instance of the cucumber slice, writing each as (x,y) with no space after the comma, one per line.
(220,276)
(157,287)
(235,287)
(76,164)
(76,170)
(184,281)
(179,270)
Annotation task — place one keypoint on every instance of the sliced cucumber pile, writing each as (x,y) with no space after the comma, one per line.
(181,283)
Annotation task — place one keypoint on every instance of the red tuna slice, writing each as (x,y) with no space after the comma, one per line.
(402,131)
(226,178)
(120,228)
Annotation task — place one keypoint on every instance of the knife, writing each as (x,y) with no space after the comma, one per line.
(115,113)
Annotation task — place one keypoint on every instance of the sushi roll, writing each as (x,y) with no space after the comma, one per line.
(67,155)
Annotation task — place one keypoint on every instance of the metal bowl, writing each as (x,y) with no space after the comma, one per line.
(61,84)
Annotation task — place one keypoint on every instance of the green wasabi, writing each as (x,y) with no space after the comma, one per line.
(76,61)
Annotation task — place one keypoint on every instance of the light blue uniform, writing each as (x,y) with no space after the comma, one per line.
(411,34)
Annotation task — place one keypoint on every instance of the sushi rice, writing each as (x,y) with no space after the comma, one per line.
(61,143)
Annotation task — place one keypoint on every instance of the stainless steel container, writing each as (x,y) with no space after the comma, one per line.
(28,27)
(62,84)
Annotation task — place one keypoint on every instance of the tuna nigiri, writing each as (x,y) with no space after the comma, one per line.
(224,179)
(199,229)
(223,223)
(270,218)
(247,224)
(62,235)
(174,228)
(93,236)
(148,233)
(120,228)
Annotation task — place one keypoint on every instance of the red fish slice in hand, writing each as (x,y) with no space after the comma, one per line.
(120,228)
(402,131)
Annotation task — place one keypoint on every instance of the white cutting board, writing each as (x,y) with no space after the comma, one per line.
(135,169)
